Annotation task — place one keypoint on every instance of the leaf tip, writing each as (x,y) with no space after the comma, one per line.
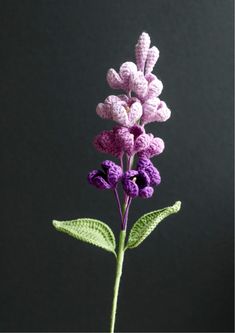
(56,223)
(177,206)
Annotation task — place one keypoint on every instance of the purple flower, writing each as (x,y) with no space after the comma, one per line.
(107,178)
(105,142)
(130,140)
(135,140)
(146,165)
(136,183)
(140,182)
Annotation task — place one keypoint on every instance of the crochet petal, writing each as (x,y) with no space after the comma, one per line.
(131,188)
(153,173)
(152,57)
(146,192)
(126,70)
(142,142)
(123,98)
(103,111)
(135,113)
(114,174)
(92,174)
(112,99)
(130,174)
(143,163)
(156,147)
(141,50)
(114,79)
(105,143)
(138,84)
(150,105)
(125,140)
(158,113)
(101,183)
(155,86)
(107,164)
(119,114)
(149,108)
(162,112)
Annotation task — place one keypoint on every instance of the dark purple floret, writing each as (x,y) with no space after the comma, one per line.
(136,183)
(153,173)
(107,178)
(140,182)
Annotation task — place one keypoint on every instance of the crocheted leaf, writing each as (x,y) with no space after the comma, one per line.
(147,223)
(89,230)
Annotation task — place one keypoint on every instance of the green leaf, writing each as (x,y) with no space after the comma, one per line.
(89,230)
(147,223)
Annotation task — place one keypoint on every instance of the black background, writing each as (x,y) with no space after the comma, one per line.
(55,55)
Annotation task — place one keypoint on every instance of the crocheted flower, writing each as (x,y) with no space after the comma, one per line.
(155,147)
(140,182)
(122,109)
(135,140)
(105,142)
(146,57)
(130,140)
(136,78)
(155,110)
(107,178)
(141,50)
(155,86)
(128,79)
(146,165)
(121,80)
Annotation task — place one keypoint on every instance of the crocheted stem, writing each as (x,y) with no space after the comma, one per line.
(120,259)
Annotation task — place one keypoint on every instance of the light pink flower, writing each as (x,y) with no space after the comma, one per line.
(122,109)
(155,86)
(126,70)
(121,80)
(141,50)
(139,80)
(146,57)
(138,84)
(152,57)
(128,79)
(155,147)
(155,110)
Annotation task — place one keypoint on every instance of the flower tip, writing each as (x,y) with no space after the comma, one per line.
(155,50)
(144,35)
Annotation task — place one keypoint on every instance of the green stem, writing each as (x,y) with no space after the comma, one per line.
(120,258)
